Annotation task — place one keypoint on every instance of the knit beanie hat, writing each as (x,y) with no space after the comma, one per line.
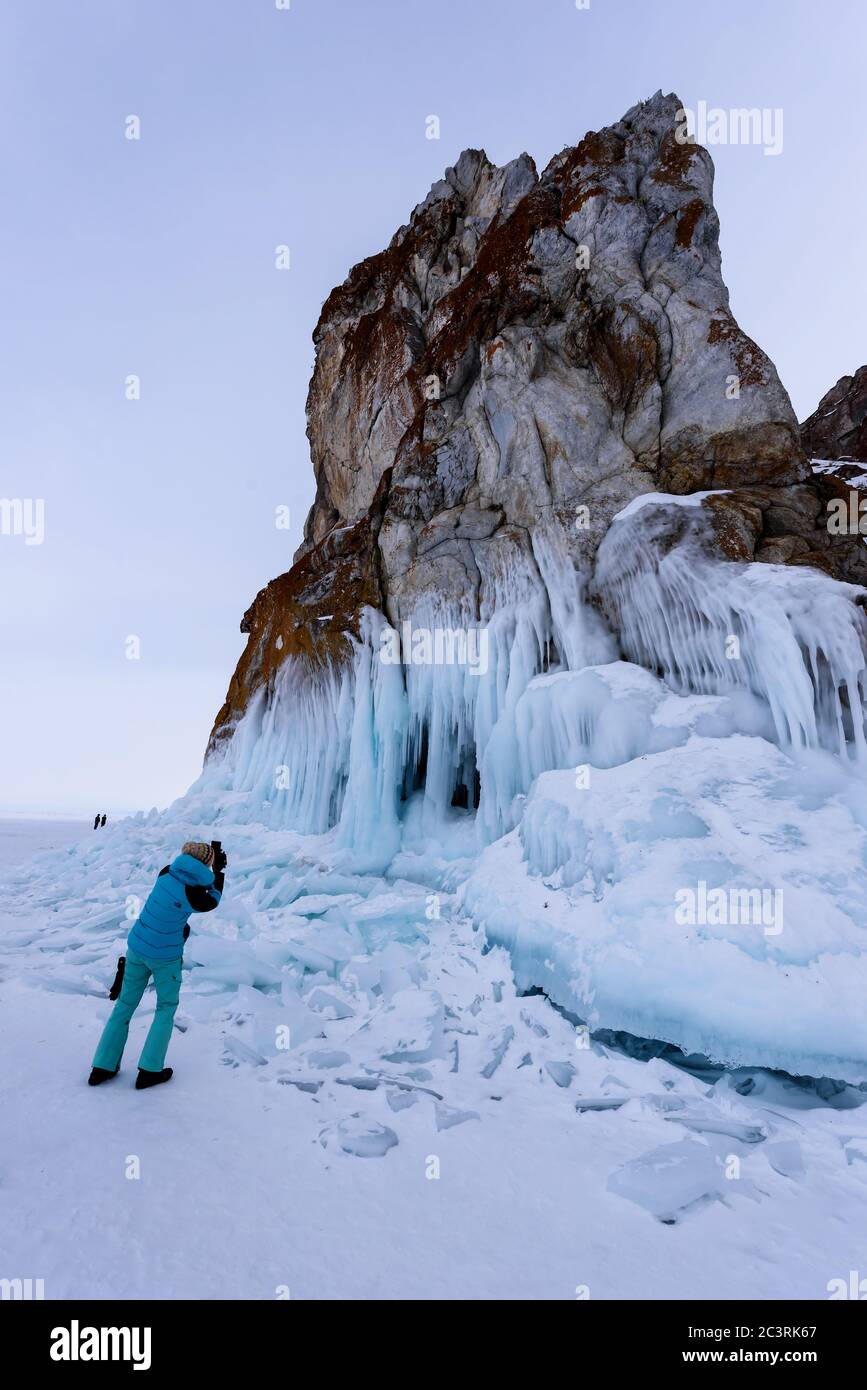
(197,849)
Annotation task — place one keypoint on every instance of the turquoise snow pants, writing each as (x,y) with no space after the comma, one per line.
(167,980)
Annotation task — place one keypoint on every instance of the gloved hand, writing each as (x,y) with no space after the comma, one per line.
(220,862)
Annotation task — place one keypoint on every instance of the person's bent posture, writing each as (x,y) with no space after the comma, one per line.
(155,946)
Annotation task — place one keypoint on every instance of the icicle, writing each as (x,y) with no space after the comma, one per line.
(289,752)
(369,824)
(792,635)
(463,694)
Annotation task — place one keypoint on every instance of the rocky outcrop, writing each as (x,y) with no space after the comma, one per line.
(308,612)
(782,526)
(529,354)
(837,429)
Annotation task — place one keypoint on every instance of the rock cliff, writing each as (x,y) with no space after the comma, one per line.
(837,429)
(530,353)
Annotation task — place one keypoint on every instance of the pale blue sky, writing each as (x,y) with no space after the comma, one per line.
(307,127)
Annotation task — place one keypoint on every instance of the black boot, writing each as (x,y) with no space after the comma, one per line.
(99,1074)
(151,1078)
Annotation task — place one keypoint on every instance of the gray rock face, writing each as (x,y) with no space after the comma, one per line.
(527,355)
(529,346)
(837,429)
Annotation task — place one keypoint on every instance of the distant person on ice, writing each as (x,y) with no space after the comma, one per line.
(96,821)
(155,946)
(102,822)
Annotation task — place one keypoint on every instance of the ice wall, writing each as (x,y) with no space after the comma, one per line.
(712,896)
(349,747)
(783,648)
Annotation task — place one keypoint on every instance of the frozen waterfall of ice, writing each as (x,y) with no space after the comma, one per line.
(785,644)
(347,747)
(790,634)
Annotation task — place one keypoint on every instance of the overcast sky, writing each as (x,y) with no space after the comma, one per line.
(155,257)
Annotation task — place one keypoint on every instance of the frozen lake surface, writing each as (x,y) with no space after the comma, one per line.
(430,1131)
(23,837)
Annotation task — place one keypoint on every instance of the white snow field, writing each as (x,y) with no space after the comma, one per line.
(603,1037)
(428,1133)
(23,836)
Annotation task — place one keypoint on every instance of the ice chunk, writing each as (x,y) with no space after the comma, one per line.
(561,1073)
(228,962)
(499,1052)
(447,1116)
(401,1100)
(600,1103)
(237,1051)
(325,1058)
(326,1002)
(669,1179)
(317,904)
(410,1027)
(709,1124)
(365,1138)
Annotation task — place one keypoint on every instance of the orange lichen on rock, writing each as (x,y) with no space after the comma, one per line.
(310,613)
(752,363)
(688,221)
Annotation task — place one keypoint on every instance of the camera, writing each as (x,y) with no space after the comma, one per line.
(220,860)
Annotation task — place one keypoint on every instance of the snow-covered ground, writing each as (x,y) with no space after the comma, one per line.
(373,1096)
(363,1106)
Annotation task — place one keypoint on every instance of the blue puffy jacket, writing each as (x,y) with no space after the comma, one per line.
(184,886)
